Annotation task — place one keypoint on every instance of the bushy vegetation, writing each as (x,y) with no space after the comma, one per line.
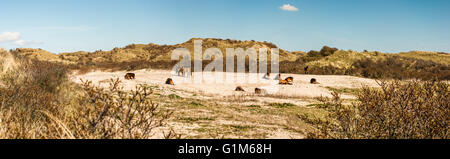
(24,100)
(412,110)
(38,101)
(396,67)
(121,66)
(388,67)
(316,55)
(281,105)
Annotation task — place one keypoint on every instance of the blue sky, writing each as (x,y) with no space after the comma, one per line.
(88,25)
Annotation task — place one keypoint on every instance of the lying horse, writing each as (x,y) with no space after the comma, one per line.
(169,81)
(130,76)
(284,81)
(239,89)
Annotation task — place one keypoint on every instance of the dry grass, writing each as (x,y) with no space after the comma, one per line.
(38,101)
(398,67)
(201,116)
(372,65)
(438,57)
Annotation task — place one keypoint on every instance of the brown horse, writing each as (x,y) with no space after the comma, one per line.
(258,91)
(282,81)
(130,76)
(239,89)
(290,79)
(169,81)
(306,69)
(313,81)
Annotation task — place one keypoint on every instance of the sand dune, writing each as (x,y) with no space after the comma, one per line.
(228,107)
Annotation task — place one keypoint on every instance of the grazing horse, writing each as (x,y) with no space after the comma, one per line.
(130,76)
(169,81)
(181,71)
(239,89)
(267,76)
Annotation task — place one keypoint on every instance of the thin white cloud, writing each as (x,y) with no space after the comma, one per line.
(9,36)
(69,28)
(15,39)
(288,7)
(19,42)
(26,43)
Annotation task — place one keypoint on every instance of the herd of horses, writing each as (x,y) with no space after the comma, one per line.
(286,81)
(182,72)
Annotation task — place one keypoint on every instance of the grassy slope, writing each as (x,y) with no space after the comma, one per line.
(38,54)
(345,59)
(152,52)
(443,58)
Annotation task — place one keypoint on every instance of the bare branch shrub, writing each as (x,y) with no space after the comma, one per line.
(411,110)
(114,113)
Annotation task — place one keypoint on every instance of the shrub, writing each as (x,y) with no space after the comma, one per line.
(327,51)
(317,55)
(396,67)
(312,56)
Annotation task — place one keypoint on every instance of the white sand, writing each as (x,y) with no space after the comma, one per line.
(300,88)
